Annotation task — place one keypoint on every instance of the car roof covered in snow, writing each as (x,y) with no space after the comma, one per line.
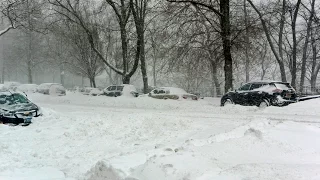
(266,81)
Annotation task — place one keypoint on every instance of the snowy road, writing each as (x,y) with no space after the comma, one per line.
(81,137)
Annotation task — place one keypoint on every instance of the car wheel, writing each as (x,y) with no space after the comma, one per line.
(264,103)
(227,102)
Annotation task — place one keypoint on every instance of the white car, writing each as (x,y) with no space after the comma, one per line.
(92,91)
(11,86)
(121,90)
(51,89)
(28,88)
(171,93)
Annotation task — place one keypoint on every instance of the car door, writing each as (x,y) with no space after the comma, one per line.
(241,95)
(254,96)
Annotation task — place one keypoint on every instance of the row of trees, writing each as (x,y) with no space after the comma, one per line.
(199,45)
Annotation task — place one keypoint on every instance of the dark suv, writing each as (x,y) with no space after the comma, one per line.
(261,94)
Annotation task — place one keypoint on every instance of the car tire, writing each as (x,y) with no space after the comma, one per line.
(264,103)
(227,101)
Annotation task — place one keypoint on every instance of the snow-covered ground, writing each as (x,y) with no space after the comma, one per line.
(97,138)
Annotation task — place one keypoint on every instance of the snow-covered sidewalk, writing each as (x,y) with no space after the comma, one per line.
(83,137)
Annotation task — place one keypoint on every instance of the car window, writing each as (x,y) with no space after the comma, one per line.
(283,86)
(161,91)
(245,87)
(112,88)
(256,86)
(119,88)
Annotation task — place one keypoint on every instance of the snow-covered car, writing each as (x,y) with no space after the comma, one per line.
(16,108)
(266,93)
(12,86)
(51,89)
(28,88)
(121,90)
(171,93)
(92,91)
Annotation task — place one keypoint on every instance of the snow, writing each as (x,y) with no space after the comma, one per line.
(28,88)
(174,90)
(98,137)
(128,89)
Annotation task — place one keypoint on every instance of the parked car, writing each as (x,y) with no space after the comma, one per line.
(12,86)
(92,91)
(171,93)
(120,90)
(51,89)
(16,108)
(198,95)
(28,88)
(261,94)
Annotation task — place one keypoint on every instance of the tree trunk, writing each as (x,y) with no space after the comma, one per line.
(154,73)
(124,45)
(62,74)
(93,81)
(305,48)
(143,67)
(315,67)
(294,46)
(143,61)
(226,41)
(215,77)
(30,80)
(126,79)
(247,61)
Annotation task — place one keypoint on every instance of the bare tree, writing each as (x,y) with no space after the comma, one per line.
(277,55)
(74,11)
(223,12)
(306,44)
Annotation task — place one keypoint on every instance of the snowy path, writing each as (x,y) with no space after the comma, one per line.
(81,137)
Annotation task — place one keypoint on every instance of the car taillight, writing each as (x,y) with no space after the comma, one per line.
(194,98)
(277,90)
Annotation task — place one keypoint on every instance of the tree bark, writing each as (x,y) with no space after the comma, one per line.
(226,41)
(247,61)
(294,46)
(138,9)
(62,74)
(215,77)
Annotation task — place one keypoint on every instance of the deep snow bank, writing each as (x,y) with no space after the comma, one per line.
(85,137)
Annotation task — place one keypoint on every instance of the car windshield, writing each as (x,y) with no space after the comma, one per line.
(13,99)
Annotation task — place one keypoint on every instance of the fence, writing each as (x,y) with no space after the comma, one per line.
(308,90)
